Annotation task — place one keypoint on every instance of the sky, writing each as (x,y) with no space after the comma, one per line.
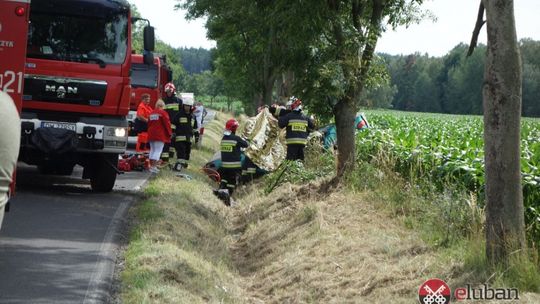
(455,23)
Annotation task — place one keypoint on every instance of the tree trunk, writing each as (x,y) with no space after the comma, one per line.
(285,86)
(502,113)
(345,113)
(269,82)
(251,109)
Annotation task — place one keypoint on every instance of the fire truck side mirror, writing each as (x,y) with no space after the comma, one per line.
(149,39)
(169,76)
(148,58)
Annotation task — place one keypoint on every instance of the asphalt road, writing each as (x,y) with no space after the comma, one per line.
(58,244)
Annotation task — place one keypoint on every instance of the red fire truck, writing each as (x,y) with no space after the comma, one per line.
(77,87)
(13,27)
(150,79)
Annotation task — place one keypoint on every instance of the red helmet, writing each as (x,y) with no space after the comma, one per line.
(231,125)
(294,103)
(169,87)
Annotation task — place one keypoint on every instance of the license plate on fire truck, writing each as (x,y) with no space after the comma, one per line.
(59,125)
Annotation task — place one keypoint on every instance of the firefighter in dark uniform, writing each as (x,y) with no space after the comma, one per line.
(184,123)
(249,170)
(171,107)
(298,128)
(278,110)
(231,165)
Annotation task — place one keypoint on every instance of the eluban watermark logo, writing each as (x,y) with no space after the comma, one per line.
(436,291)
(484,292)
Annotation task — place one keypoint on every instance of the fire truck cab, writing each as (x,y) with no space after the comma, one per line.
(77,87)
(147,79)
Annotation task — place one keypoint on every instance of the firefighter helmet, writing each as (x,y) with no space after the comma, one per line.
(169,87)
(187,101)
(231,125)
(294,104)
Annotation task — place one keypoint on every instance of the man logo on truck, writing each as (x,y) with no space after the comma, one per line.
(61,90)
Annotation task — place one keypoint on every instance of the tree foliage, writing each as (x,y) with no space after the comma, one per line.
(327,45)
(453,83)
(195,60)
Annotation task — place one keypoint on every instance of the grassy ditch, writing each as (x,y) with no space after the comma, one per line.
(178,250)
(376,238)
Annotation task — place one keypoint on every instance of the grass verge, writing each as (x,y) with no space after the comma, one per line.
(178,251)
(374,240)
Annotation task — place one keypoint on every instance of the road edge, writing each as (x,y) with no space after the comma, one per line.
(102,278)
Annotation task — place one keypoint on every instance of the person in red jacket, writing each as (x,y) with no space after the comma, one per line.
(159,133)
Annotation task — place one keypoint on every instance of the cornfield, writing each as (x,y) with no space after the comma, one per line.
(445,149)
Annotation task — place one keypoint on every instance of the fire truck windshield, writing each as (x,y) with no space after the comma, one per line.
(88,39)
(143,75)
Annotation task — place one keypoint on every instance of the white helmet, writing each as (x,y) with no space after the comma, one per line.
(187,102)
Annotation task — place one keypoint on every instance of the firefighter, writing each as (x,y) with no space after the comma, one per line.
(298,127)
(171,107)
(278,110)
(184,123)
(249,170)
(199,113)
(231,165)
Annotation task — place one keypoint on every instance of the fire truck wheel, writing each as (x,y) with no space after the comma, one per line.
(104,175)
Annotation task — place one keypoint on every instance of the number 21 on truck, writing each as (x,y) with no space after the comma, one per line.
(13,29)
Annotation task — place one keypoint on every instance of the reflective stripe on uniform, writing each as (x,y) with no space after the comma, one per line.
(171,106)
(251,170)
(236,164)
(298,141)
(181,138)
(229,142)
(183,120)
(227,145)
(165,154)
(298,125)
(300,121)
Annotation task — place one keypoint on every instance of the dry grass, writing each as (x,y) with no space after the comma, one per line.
(296,245)
(326,249)
(178,252)
(300,246)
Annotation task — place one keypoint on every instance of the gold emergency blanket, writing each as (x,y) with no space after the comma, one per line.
(267,147)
